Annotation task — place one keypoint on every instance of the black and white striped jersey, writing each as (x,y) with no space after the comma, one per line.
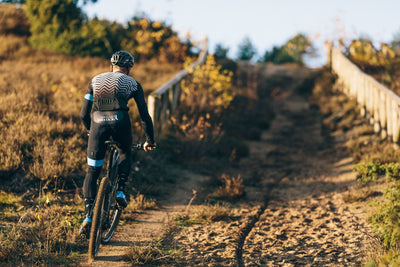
(112,84)
(119,86)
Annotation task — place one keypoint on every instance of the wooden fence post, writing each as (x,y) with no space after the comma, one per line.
(378,104)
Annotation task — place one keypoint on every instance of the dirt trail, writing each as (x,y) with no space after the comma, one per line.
(293,213)
(306,221)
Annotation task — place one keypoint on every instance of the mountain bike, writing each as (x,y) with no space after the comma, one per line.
(106,211)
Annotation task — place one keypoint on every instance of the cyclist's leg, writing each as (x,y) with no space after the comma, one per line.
(122,133)
(95,159)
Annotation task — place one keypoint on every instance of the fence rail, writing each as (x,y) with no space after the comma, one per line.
(164,101)
(379,104)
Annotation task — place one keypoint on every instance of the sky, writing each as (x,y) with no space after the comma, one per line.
(266,23)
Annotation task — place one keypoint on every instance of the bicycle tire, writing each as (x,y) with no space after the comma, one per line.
(114,211)
(113,226)
(97,221)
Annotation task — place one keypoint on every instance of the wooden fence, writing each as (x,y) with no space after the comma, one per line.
(379,104)
(163,102)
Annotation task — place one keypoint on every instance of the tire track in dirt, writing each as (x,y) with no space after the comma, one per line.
(260,150)
(245,232)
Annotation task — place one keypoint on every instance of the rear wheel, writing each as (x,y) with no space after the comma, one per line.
(100,213)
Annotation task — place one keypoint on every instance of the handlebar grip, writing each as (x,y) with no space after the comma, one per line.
(140,146)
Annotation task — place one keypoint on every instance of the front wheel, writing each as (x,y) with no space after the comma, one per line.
(114,210)
(112,218)
(99,215)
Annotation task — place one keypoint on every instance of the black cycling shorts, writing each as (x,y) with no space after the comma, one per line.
(106,124)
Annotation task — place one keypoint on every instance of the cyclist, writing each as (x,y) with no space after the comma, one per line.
(106,99)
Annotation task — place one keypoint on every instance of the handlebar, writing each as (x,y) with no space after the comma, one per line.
(136,146)
(140,146)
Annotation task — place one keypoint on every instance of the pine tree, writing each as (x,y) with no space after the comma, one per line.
(246,49)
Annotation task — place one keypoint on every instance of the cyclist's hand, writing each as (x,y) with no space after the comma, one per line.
(148,147)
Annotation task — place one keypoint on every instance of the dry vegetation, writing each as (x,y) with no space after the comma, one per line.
(383,64)
(41,95)
(42,147)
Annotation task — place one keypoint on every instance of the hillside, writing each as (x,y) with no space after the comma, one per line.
(258,174)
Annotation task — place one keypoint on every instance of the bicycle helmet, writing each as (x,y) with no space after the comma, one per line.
(122,59)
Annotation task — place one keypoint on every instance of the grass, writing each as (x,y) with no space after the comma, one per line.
(162,251)
(140,202)
(207,213)
(42,141)
(211,213)
(42,236)
(360,195)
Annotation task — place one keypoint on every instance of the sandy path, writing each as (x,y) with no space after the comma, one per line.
(305,221)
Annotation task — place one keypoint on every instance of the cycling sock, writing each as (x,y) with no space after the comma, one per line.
(122,182)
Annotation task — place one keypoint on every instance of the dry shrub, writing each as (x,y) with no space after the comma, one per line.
(210,213)
(13,20)
(10,44)
(193,137)
(208,88)
(41,237)
(195,132)
(140,202)
(154,73)
(232,188)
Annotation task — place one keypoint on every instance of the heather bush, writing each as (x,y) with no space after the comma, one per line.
(13,20)
(45,236)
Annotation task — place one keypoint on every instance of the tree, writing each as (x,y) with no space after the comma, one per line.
(395,44)
(14,1)
(271,56)
(292,51)
(246,50)
(54,24)
(221,52)
(61,26)
(297,47)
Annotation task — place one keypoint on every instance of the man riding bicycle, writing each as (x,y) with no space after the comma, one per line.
(106,99)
